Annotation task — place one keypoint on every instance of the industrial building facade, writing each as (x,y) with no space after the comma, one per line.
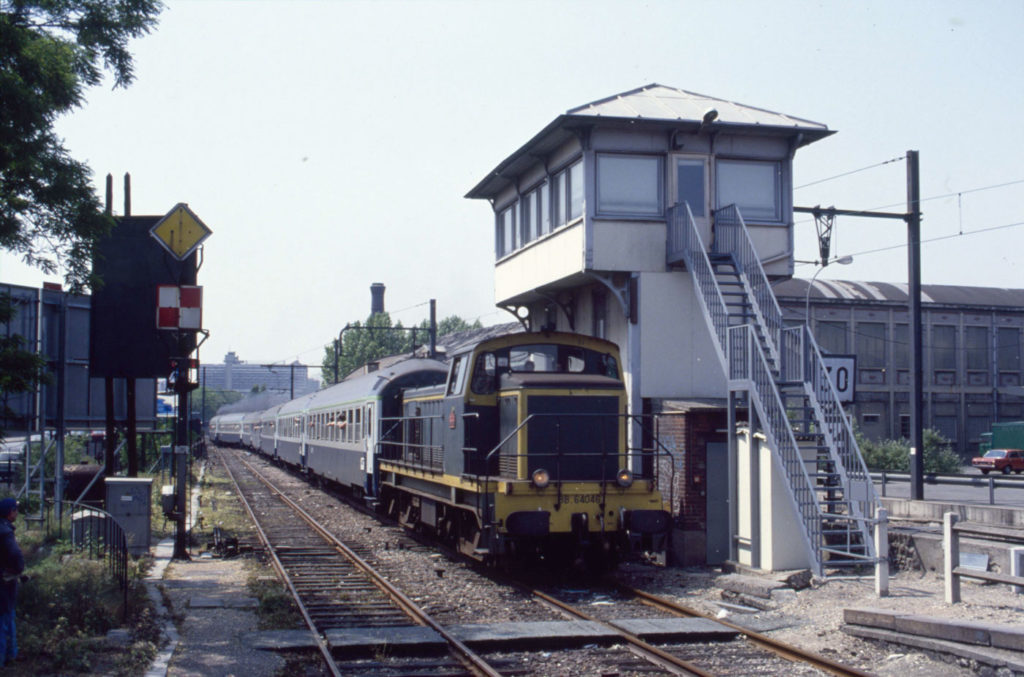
(971,344)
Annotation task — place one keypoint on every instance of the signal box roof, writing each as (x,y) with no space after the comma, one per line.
(656,105)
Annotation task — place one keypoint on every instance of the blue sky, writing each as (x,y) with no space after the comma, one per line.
(328,145)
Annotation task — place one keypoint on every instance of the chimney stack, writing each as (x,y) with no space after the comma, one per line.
(376,298)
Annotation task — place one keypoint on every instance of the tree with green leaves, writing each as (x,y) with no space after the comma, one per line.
(365,342)
(51,51)
(377,338)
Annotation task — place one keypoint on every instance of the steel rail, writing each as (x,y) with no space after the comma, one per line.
(459,649)
(787,651)
(320,640)
(647,651)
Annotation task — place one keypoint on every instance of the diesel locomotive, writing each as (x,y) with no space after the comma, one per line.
(516,446)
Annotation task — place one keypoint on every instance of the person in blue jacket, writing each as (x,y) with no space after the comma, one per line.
(12,564)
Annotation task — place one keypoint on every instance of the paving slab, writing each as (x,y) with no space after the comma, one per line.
(965,632)
(677,629)
(999,658)
(397,637)
(552,633)
(869,616)
(280,640)
(1007,637)
(750,585)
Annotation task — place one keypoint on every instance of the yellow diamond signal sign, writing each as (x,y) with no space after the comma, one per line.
(180,232)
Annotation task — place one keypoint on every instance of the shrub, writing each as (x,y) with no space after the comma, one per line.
(68,603)
(894,455)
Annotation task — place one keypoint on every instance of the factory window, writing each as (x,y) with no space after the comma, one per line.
(1008,350)
(871,344)
(976,344)
(754,187)
(944,347)
(831,337)
(901,346)
(978,356)
(629,185)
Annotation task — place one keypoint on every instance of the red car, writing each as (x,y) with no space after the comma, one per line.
(1003,460)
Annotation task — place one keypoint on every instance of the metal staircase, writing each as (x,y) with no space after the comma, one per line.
(778,373)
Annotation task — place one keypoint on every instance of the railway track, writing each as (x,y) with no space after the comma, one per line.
(738,657)
(307,557)
(333,586)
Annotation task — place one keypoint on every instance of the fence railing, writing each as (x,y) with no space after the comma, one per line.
(97,534)
(685,239)
(834,423)
(953,571)
(731,237)
(885,477)
(749,364)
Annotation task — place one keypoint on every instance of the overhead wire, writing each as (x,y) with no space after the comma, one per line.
(935,239)
(852,171)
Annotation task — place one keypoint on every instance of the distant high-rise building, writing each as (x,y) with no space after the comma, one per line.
(235,374)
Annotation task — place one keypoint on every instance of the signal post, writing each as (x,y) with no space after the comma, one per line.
(180,313)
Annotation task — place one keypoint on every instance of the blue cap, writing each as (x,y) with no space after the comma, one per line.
(7,505)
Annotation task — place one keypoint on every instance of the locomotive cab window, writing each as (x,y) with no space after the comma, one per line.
(457,376)
(483,374)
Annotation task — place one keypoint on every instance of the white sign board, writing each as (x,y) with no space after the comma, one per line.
(842,371)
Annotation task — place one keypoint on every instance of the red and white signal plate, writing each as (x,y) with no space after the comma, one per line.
(179,307)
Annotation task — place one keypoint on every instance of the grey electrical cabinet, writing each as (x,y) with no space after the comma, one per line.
(128,500)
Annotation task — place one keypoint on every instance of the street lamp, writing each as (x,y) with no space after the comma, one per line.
(843,261)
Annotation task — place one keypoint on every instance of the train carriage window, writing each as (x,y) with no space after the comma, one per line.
(358,423)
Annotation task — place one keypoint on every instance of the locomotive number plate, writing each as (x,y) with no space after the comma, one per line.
(580,499)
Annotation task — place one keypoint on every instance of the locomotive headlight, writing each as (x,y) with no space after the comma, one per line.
(541,478)
(624,478)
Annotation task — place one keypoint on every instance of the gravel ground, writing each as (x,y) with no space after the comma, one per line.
(814,616)
(811,619)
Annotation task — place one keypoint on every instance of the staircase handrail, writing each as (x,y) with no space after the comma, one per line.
(732,237)
(683,236)
(749,364)
(837,429)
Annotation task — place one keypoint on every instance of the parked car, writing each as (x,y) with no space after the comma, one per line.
(1002,460)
